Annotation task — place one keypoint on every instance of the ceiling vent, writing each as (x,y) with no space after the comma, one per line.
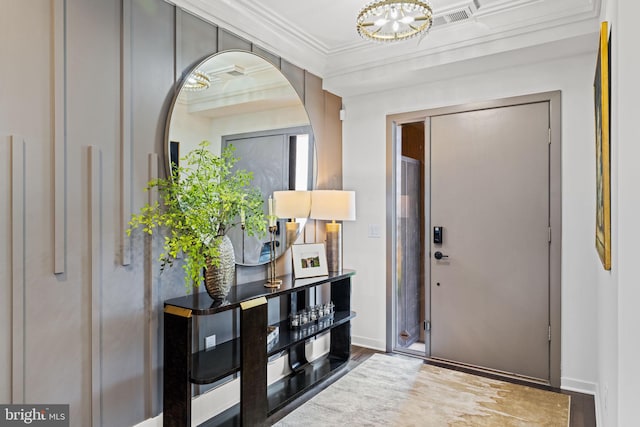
(232,70)
(235,70)
(453,15)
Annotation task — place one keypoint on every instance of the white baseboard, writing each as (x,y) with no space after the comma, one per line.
(579,386)
(151,422)
(368,343)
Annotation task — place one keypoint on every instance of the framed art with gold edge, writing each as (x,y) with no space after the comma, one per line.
(601,89)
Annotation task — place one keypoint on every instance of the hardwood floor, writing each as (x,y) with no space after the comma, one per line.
(583,412)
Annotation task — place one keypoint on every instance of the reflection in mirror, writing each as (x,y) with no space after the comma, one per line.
(240,99)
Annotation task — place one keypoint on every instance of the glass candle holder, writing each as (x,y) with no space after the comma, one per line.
(304,317)
(295,320)
(325,310)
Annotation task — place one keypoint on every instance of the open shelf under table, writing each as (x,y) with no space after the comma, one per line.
(209,366)
(283,391)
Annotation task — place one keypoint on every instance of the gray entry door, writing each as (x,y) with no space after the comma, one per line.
(266,155)
(490,192)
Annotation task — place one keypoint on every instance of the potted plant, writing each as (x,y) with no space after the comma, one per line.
(201,201)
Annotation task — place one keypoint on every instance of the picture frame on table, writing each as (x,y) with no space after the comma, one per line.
(309,260)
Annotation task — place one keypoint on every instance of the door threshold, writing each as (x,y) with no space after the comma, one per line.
(481,371)
(490,373)
(418,354)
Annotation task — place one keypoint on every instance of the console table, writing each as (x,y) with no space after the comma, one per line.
(248,353)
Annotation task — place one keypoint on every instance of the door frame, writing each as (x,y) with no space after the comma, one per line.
(555,209)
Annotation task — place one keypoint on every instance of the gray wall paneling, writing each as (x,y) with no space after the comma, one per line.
(153,76)
(6,291)
(195,40)
(103,75)
(125,132)
(18,268)
(33,351)
(229,41)
(83,369)
(274,59)
(296,76)
(99,166)
(59,136)
(94,196)
(152,308)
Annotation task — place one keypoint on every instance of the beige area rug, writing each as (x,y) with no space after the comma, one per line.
(402,391)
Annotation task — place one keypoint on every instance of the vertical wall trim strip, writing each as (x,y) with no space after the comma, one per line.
(59,41)
(95,233)
(151,311)
(177,45)
(125,132)
(18,269)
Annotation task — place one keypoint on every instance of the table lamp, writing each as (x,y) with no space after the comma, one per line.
(292,204)
(333,205)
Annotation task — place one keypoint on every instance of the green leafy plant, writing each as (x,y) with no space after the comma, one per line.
(200,202)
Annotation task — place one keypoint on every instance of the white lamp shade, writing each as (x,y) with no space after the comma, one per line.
(292,204)
(333,205)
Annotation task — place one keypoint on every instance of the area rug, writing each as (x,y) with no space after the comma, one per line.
(401,391)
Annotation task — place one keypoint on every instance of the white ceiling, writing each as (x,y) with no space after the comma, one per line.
(241,83)
(320,36)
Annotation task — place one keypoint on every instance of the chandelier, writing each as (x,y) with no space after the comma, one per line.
(197,80)
(392,20)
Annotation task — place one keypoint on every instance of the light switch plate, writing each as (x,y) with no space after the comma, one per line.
(374,231)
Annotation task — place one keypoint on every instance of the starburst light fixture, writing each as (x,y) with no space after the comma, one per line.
(393,20)
(197,80)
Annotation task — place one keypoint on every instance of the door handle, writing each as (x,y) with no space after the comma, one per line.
(440,255)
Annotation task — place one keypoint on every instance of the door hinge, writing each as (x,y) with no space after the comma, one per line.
(549,136)
(427,325)
(549,333)
(549,234)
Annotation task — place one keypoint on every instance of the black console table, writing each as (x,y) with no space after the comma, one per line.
(248,354)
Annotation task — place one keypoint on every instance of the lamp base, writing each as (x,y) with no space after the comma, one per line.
(292,232)
(275,283)
(334,247)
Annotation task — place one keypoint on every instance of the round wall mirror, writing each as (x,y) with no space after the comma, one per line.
(238,98)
